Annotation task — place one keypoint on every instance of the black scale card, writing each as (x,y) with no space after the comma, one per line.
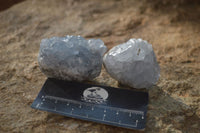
(102,104)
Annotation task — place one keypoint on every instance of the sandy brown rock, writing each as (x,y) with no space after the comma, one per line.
(172,29)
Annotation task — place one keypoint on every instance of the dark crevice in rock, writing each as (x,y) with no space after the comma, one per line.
(5,4)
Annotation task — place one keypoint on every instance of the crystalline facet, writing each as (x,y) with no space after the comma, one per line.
(133,63)
(71,57)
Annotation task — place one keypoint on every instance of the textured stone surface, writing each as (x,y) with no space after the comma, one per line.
(133,63)
(172,30)
(71,57)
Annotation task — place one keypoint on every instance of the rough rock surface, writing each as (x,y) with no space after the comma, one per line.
(173,30)
(71,57)
(133,63)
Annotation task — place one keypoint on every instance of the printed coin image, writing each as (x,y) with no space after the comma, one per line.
(97,93)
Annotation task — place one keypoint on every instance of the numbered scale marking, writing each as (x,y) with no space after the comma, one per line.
(107,105)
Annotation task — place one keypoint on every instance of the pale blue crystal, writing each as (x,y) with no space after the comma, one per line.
(71,57)
(133,63)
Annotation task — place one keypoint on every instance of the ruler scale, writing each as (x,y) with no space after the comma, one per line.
(102,104)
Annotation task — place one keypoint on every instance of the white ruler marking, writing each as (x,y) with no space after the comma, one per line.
(88,104)
(86,117)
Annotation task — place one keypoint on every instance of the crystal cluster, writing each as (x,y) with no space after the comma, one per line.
(133,63)
(71,57)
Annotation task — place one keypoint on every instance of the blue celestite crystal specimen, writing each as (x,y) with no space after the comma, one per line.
(133,63)
(71,57)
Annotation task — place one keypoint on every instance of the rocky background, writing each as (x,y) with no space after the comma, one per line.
(172,27)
